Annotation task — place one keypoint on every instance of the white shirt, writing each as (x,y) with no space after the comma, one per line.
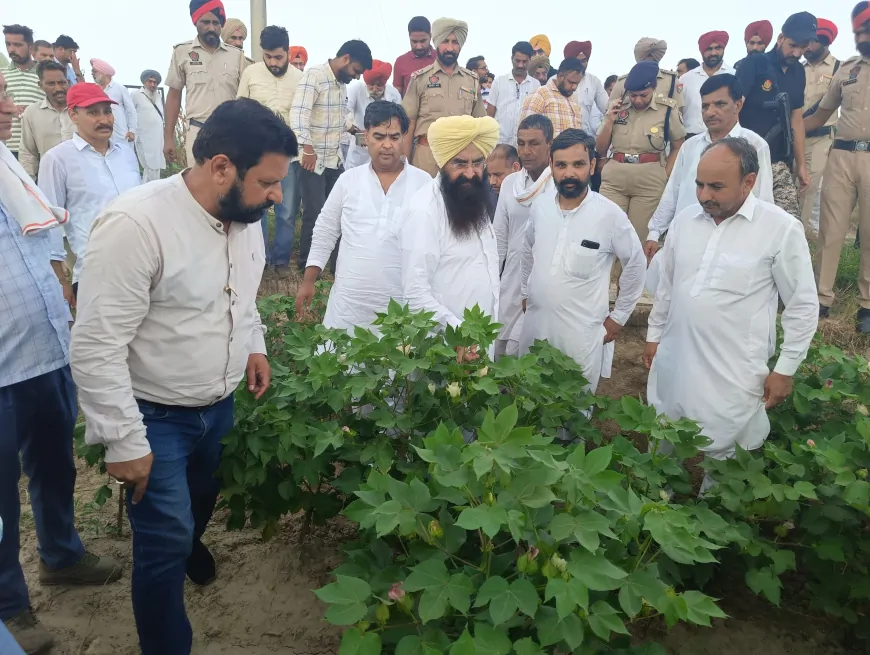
(166,312)
(680,191)
(593,99)
(566,279)
(714,318)
(443,273)
(518,193)
(73,175)
(369,258)
(149,136)
(507,96)
(358,99)
(691,83)
(125,111)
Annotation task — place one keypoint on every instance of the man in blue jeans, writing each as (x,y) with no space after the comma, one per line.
(167,327)
(37,402)
(278,255)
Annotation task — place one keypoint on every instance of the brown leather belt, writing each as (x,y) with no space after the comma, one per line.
(646,158)
(422,141)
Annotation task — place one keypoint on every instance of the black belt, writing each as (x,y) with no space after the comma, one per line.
(851,146)
(183,408)
(196,123)
(822,131)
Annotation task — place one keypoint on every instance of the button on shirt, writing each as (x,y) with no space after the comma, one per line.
(34,319)
(166,311)
(691,83)
(507,96)
(850,91)
(83,181)
(548,101)
(358,100)
(317,114)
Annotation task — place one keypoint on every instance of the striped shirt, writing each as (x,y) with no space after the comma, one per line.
(317,114)
(24,88)
(549,101)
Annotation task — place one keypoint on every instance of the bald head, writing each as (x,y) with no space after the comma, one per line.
(726,176)
(503,161)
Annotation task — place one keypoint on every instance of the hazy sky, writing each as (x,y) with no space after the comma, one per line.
(135,36)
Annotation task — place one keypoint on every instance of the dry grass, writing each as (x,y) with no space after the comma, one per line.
(839,329)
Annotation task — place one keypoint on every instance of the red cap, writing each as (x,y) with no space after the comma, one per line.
(85,94)
(826,28)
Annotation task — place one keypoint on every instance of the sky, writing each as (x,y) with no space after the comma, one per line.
(133,37)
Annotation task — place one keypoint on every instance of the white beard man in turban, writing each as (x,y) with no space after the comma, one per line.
(149,138)
(449,253)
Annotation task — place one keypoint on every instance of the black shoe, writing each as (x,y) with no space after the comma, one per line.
(201,567)
(824,312)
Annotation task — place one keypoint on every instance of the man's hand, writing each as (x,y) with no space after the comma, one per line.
(74,62)
(613,329)
(649,354)
(309,159)
(650,248)
(259,375)
(803,177)
(613,111)
(130,136)
(169,151)
(68,294)
(777,388)
(133,474)
(464,354)
(304,296)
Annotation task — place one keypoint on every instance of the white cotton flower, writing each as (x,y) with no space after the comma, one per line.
(454,389)
(483,372)
(405,350)
(431,387)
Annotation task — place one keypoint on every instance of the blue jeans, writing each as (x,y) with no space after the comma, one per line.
(285,220)
(178,503)
(37,418)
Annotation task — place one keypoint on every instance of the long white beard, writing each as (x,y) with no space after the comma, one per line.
(152,95)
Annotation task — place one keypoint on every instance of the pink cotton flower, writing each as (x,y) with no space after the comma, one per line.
(396,592)
(533,553)
(811,443)
(344,428)
(829,384)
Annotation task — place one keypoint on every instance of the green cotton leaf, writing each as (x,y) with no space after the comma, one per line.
(462,646)
(345,590)
(439,589)
(639,585)
(487,385)
(488,518)
(428,574)
(346,614)
(765,581)
(595,571)
(603,620)
(857,493)
(783,560)
(598,460)
(585,528)
(806,489)
(526,595)
(491,641)
(831,549)
(568,594)
(492,588)
(526,646)
(702,608)
(354,642)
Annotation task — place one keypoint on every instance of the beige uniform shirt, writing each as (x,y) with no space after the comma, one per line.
(638,132)
(432,93)
(819,78)
(175,320)
(208,79)
(850,91)
(42,128)
(663,88)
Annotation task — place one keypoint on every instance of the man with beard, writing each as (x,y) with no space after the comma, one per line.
(667,82)
(820,68)
(557,99)
(206,69)
(365,211)
(149,115)
(360,94)
(712,46)
(44,123)
(508,92)
(273,83)
(846,177)
(591,95)
(443,88)
(520,190)
(167,327)
(66,53)
(318,118)
(298,57)
(419,56)
(86,173)
(726,263)
(126,120)
(757,36)
(22,82)
(449,253)
(572,240)
(763,78)
(539,68)
(234,33)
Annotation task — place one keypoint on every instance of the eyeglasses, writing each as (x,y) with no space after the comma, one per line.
(476,165)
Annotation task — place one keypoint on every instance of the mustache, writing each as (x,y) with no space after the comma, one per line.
(103,126)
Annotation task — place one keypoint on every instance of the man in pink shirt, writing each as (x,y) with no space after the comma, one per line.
(421,54)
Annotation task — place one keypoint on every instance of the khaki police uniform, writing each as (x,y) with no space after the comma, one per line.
(667,79)
(208,79)
(846,178)
(432,94)
(636,183)
(818,143)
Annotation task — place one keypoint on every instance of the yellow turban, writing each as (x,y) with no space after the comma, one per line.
(648,47)
(541,42)
(231,26)
(444,27)
(450,135)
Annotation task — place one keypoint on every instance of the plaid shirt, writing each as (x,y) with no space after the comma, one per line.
(549,101)
(34,319)
(318,113)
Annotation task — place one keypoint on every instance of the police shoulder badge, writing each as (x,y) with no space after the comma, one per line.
(767,86)
(622,117)
(853,74)
(194,56)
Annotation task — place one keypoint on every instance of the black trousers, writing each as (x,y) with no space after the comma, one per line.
(315,190)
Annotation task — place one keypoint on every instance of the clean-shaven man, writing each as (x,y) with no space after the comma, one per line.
(149,136)
(712,46)
(508,92)
(360,94)
(126,120)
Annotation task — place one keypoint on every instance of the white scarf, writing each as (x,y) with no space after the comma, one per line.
(524,195)
(24,200)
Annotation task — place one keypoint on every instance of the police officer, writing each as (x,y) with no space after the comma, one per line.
(640,125)
(846,178)
(764,78)
(820,67)
(441,89)
(207,69)
(667,82)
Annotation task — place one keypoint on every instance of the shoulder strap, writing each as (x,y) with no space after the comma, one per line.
(836,66)
(154,104)
(668,112)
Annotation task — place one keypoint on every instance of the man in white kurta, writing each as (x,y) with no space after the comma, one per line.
(519,191)
(712,329)
(149,138)
(449,253)
(126,120)
(360,94)
(365,210)
(572,240)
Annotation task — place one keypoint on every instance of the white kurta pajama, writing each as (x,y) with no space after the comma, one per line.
(149,137)
(714,318)
(567,282)
(518,192)
(369,267)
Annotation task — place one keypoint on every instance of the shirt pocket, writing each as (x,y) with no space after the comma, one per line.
(434,101)
(733,273)
(852,96)
(580,262)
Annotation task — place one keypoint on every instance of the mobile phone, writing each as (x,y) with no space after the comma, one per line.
(593,245)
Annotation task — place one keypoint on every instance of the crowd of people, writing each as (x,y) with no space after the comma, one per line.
(525,194)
